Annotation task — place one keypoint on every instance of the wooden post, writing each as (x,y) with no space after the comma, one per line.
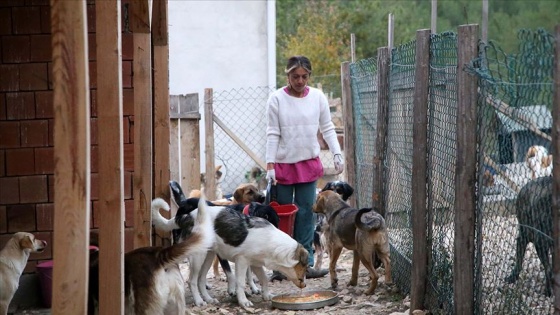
(71,157)
(434,16)
(353,47)
(142,69)
(390,31)
(349,131)
(111,182)
(419,170)
(485,21)
(161,99)
(210,178)
(383,69)
(465,173)
(556,170)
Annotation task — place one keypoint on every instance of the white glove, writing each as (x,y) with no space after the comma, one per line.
(338,163)
(271,176)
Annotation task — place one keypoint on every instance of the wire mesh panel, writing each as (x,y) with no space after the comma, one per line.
(514,208)
(399,155)
(363,76)
(442,133)
(243,112)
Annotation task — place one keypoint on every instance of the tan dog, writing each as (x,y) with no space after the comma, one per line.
(346,229)
(13,258)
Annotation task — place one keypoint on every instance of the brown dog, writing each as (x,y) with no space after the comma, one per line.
(346,229)
(13,258)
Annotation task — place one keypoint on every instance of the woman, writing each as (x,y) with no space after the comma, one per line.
(295,113)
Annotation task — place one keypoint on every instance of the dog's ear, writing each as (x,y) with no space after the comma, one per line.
(302,255)
(26,242)
(328,186)
(238,194)
(320,203)
(348,191)
(178,194)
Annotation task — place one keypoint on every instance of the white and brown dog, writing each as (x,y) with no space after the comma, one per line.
(539,161)
(249,242)
(13,258)
(154,284)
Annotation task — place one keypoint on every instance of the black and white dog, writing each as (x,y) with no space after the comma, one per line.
(319,241)
(249,242)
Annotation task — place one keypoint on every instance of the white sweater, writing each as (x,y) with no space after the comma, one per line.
(291,133)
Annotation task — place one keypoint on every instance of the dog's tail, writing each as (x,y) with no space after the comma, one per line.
(161,223)
(198,242)
(373,222)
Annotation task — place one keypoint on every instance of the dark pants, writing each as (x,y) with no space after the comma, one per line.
(303,196)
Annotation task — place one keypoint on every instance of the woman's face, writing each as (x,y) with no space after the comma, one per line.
(298,78)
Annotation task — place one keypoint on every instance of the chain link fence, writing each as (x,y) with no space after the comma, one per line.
(240,137)
(515,124)
(513,192)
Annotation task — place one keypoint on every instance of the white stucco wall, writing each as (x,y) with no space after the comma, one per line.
(219,44)
(224,45)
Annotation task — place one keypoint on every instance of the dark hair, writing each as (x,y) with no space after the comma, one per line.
(296,62)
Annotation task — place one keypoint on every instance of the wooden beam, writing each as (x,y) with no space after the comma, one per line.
(239,142)
(160,35)
(111,165)
(556,170)
(71,157)
(139,16)
(383,70)
(190,141)
(210,179)
(420,170)
(349,131)
(142,81)
(465,173)
(161,122)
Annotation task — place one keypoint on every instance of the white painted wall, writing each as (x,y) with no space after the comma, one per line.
(219,44)
(223,45)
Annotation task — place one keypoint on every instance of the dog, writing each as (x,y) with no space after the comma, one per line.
(533,209)
(13,258)
(243,195)
(197,193)
(153,280)
(346,230)
(257,177)
(319,242)
(539,161)
(249,242)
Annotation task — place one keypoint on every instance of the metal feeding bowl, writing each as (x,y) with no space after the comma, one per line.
(305,301)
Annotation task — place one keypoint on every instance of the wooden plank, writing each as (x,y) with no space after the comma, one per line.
(111,165)
(139,15)
(190,154)
(349,131)
(556,170)
(239,142)
(174,157)
(161,138)
(419,170)
(210,179)
(161,122)
(383,68)
(142,181)
(71,157)
(465,173)
(160,35)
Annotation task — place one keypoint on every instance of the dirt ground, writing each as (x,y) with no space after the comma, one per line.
(385,300)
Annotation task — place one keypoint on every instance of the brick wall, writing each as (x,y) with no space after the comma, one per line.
(26,123)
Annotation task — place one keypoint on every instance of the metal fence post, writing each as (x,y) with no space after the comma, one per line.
(556,170)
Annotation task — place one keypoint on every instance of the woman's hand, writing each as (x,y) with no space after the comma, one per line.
(271,176)
(338,163)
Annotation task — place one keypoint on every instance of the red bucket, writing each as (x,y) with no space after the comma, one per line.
(287,215)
